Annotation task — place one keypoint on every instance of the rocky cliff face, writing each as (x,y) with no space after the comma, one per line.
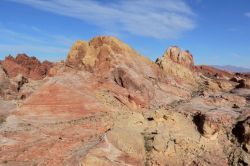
(108,105)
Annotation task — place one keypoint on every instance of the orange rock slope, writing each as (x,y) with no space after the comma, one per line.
(108,105)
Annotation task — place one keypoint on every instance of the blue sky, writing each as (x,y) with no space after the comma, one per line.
(215,31)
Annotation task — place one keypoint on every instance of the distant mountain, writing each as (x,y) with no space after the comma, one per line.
(233,68)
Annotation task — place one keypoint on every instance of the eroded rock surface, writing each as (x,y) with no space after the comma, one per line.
(29,67)
(178,64)
(107,105)
(210,71)
(19,78)
(115,62)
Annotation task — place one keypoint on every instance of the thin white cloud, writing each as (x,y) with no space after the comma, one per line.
(38,38)
(151,18)
(43,45)
(247,14)
(16,36)
(236,55)
(25,48)
(233,29)
(198,1)
(43,52)
(34,28)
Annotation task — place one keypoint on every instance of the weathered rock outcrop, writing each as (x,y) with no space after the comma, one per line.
(247,83)
(210,71)
(103,54)
(29,67)
(21,76)
(242,133)
(243,83)
(241,80)
(113,60)
(5,84)
(4,81)
(183,58)
(178,64)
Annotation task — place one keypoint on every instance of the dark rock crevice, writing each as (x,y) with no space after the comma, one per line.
(199,120)
(239,131)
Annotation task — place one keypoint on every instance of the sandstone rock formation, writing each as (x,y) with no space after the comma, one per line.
(112,60)
(5,84)
(210,71)
(242,80)
(183,58)
(107,105)
(20,76)
(29,67)
(243,83)
(4,81)
(178,64)
(247,83)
